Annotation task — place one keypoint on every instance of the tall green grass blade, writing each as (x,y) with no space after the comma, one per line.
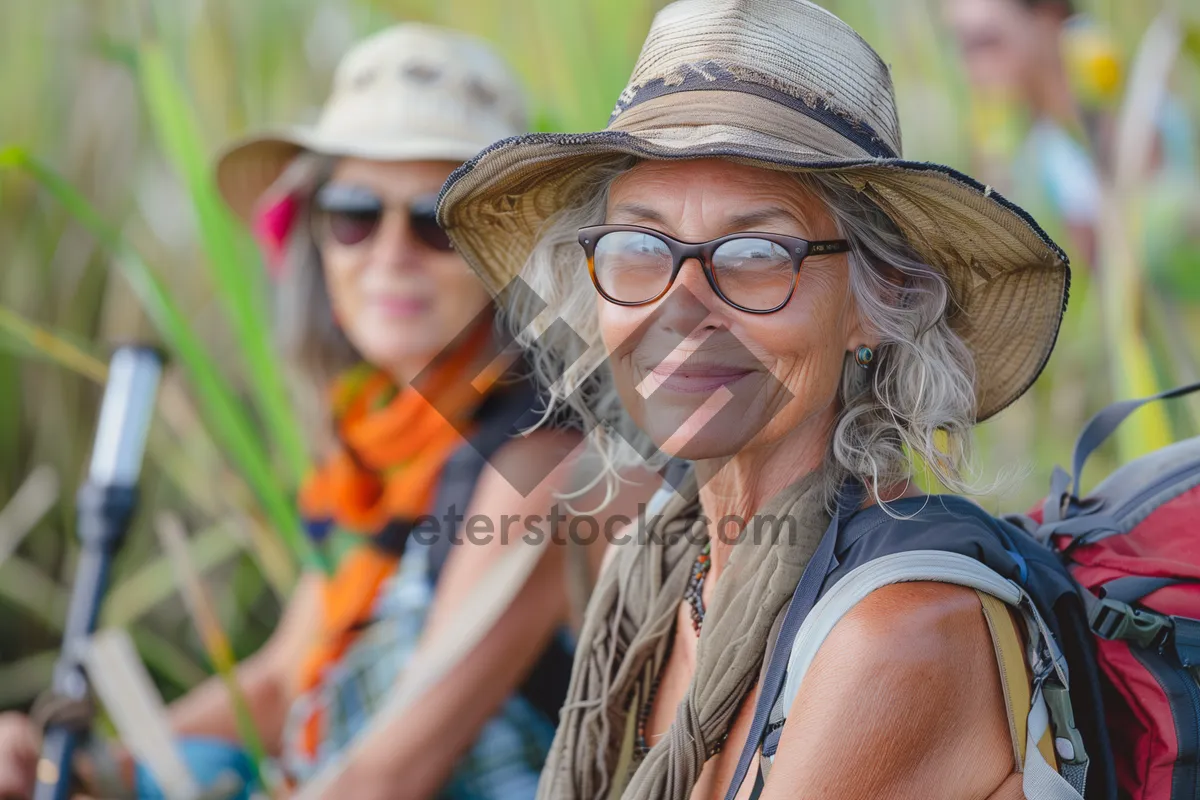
(216,643)
(231,426)
(30,340)
(41,597)
(23,679)
(234,269)
(167,659)
(38,341)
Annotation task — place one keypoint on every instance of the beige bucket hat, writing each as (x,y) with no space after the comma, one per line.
(411,92)
(785,85)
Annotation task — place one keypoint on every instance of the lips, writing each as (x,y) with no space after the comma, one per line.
(401,305)
(694,378)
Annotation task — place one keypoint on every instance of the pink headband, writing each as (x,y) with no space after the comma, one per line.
(273,221)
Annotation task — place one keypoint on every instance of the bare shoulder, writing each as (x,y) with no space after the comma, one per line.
(918,647)
(525,462)
(927,621)
(539,444)
(909,675)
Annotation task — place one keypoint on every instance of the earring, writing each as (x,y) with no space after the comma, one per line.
(863,356)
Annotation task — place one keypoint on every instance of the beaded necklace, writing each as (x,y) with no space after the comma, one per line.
(694,593)
(694,596)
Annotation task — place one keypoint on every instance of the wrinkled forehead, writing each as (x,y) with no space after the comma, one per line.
(716,194)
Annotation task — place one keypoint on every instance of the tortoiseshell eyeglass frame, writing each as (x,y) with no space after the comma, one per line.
(799,249)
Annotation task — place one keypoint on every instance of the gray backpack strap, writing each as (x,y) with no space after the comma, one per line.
(1065,490)
(1041,780)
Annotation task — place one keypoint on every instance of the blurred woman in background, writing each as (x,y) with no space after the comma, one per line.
(393,340)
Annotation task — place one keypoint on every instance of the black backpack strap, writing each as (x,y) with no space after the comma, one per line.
(455,489)
(805,597)
(503,415)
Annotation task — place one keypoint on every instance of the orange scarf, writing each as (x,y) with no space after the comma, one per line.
(394,444)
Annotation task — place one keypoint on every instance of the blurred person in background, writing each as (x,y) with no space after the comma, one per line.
(1017,71)
(388,330)
(1046,83)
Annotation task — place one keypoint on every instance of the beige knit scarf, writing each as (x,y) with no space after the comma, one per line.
(627,629)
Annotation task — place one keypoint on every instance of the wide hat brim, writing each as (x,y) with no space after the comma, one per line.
(1009,281)
(247,168)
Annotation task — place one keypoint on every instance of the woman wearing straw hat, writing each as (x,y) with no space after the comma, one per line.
(379,315)
(794,309)
(374,302)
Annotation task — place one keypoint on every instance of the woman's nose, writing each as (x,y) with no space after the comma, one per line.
(691,279)
(691,301)
(396,246)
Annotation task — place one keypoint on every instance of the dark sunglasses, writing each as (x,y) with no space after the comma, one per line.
(350,215)
(753,272)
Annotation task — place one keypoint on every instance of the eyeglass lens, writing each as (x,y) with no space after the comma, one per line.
(635,266)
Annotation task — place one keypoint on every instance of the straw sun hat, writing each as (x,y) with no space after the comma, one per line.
(785,85)
(411,92)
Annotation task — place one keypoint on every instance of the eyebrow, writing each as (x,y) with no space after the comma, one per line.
(639,212)
(753,219)
(739,222)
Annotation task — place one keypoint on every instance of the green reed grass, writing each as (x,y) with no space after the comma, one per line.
(230,257)
(227,416)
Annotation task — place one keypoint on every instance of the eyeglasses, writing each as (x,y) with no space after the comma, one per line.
(351,215)
(753,272)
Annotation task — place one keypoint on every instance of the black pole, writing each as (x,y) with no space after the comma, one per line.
(106,504)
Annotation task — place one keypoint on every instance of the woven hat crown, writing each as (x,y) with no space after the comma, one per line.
(411,92)
(789,50)
(414,77)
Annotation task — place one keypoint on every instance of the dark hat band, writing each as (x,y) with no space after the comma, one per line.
(713,76)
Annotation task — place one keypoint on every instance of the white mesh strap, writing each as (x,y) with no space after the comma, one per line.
(914,565)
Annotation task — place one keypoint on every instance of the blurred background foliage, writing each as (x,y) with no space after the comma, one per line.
(110,230)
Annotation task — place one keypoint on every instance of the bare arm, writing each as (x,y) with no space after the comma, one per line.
(413,757)
(902,701)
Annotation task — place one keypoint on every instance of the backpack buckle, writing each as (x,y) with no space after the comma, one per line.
(1068,742)
(1112,619)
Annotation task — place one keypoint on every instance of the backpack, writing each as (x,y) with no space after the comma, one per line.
(1133,545)
(1107,587)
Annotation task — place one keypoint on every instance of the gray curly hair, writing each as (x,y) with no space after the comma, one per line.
(916,404)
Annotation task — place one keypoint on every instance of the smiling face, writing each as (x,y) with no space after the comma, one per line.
(397,296)
(701,378)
